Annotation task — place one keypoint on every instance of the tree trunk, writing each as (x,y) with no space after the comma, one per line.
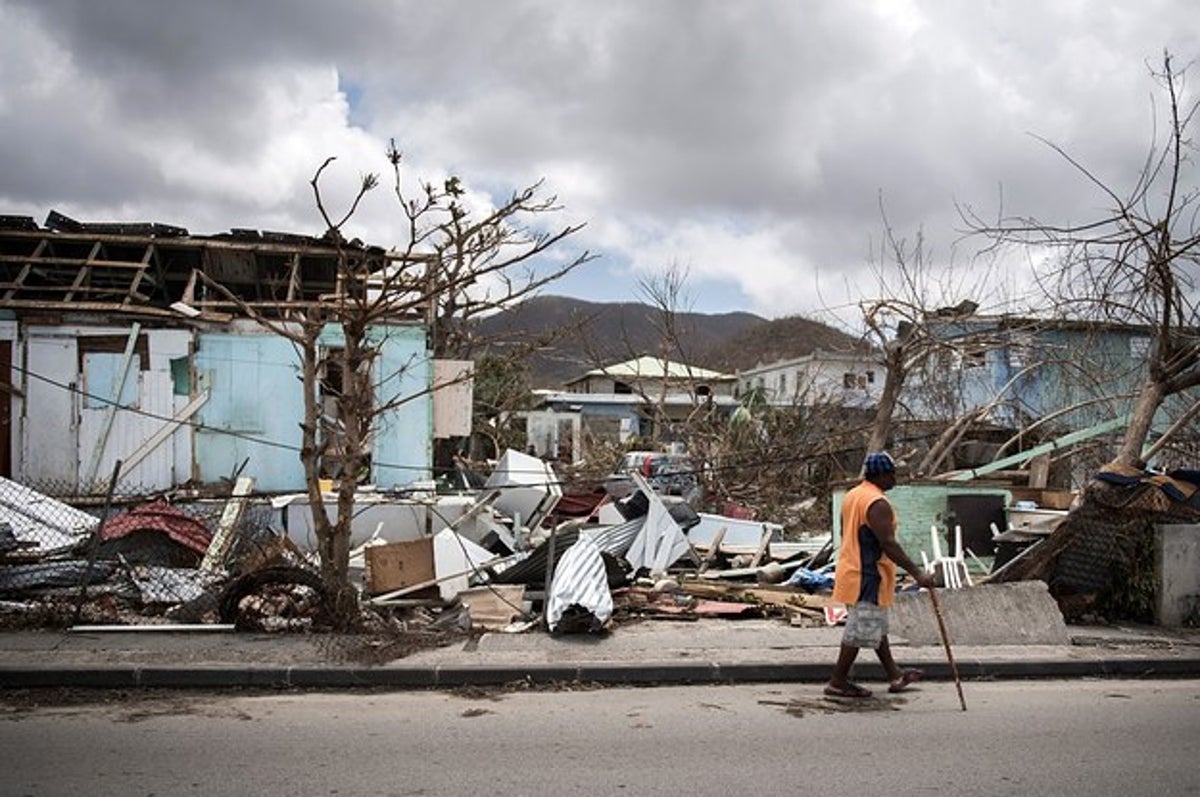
(1148,401)
(333,539)
(892,384)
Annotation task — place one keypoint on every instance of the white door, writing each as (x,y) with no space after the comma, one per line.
(50,416)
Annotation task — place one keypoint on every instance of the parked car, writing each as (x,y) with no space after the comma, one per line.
(669,474)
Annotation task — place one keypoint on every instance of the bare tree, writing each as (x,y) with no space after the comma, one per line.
(452,267)
(1136,263)
(905,323)
(479,265)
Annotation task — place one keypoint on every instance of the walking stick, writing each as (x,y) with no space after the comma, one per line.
(937,612)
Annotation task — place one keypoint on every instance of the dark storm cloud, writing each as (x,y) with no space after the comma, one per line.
(754,143)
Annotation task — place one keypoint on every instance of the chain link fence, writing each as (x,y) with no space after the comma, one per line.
(130,557)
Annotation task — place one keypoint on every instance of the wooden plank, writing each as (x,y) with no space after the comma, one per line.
(140,275)
(58,306)
(762,548)
(702,589)
(791,597)
(165,432)
(294,278)
(214,557)
(152,627)
(714,549)
(1039,472)
(83,273)
(73,262)
(110,411)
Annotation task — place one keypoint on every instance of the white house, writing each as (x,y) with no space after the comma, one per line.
(841,378)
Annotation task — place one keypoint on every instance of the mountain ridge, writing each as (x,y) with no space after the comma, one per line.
(584,335)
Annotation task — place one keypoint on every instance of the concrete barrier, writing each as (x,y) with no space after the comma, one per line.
(1013,613)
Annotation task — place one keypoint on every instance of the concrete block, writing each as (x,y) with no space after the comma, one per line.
(1015,613)
(1177,562)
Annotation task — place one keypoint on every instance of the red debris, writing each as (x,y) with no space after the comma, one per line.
(163,518)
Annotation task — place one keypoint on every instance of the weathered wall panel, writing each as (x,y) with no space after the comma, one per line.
(146,405)
(452,398)
(403,442)
(252,415)
(254,410)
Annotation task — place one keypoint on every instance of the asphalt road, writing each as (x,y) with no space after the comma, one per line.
(1088,737)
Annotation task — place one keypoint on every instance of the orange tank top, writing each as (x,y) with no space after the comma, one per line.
(864,572)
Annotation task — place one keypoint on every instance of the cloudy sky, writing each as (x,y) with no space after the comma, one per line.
(750,144)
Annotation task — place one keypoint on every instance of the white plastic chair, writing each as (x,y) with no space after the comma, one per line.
(955,573)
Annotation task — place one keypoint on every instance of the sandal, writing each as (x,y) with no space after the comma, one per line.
(849,690)
(906,679)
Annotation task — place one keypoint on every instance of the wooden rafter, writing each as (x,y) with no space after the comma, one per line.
(138,277)
(84,273)
(146,274)
(25,269)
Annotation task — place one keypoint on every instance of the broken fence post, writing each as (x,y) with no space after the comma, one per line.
(95,543)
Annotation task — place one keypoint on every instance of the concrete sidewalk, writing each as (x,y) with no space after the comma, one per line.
(643,653)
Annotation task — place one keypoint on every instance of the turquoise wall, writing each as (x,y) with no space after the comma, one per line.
(253,411)
(256,406)
(403,444)
(918,506)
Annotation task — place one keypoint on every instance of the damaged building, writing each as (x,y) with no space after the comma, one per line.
(135,342)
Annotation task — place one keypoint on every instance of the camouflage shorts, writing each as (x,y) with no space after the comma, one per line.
(866,626)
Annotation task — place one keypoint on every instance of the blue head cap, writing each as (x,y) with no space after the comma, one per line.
(877,463)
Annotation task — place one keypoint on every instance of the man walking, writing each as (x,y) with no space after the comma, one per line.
(865,577)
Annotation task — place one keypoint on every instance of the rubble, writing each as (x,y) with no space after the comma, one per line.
(596,564)
(1099,560)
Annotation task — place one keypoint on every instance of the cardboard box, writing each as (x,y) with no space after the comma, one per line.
(396,565)
(495,606)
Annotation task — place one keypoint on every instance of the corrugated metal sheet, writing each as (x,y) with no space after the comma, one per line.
(661,541)
(40,520)
(614,540)
(579,580)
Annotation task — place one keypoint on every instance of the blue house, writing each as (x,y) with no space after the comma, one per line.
(1062,375)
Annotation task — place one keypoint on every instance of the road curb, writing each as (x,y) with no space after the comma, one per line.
(613,673)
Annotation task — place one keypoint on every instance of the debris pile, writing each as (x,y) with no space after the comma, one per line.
(511,554)
(514,554)
(1099,562)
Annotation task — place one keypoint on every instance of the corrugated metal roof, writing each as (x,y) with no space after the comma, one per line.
(49,526)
